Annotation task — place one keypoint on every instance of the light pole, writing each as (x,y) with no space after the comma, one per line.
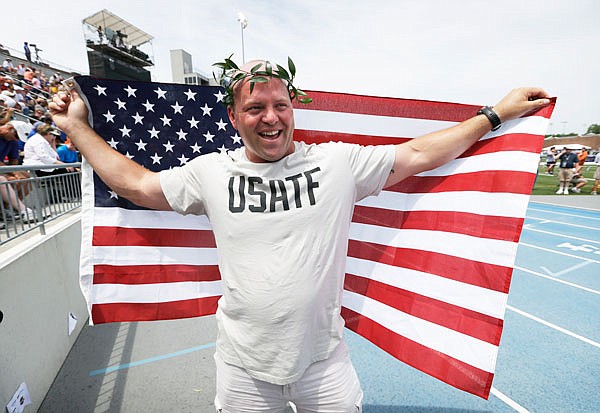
(243,23)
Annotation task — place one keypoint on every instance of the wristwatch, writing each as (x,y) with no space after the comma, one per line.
(492,116)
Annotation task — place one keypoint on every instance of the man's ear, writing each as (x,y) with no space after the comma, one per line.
(231,115)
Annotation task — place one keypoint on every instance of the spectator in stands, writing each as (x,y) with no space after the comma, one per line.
(28,75)
(40,149)
(12,201)
(10,133)
(68,153)
(20,71)
(27,51)
(8,65)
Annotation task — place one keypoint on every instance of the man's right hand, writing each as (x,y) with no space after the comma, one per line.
(69,112)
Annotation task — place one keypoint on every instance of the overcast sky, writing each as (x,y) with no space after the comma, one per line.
(466,51)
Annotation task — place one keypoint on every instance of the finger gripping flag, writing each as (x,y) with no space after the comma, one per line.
(429,260)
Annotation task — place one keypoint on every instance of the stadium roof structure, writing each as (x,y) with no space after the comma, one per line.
(108,20)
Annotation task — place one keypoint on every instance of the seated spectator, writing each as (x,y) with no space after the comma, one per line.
(68,153)
(40,149)
(13,203)
(10,133)
(577,182)
(8,65)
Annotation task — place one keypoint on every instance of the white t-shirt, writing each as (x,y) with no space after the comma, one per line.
(282,232)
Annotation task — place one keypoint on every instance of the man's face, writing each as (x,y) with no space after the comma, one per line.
(8,132)
(265,120)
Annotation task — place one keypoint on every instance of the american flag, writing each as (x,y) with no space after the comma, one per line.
(429,260)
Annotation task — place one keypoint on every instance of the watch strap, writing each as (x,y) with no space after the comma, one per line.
(492,116)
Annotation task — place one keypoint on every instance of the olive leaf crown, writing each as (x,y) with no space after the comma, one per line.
(231,74)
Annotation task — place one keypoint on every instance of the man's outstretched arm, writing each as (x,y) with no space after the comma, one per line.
(124,176)
(435,149)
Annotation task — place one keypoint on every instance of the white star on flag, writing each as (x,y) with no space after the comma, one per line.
(223,149)
(236,138)
(190,95)
(149,106)
(183,160)
(112,143)
(138,118)
(101,90)
(196,148)
(141,145)
(219,96)
(193,123)
(113,194)
(125,130)
(130,91)
(109,116)
(129,156)
(120,104)
(166,121)
(160,93)
(156,158)
(221,124)
(177,108)
(206,110)
(153,133)
(208,136)
(168,146)
(181,134)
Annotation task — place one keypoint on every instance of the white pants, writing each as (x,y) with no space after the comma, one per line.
(328,386)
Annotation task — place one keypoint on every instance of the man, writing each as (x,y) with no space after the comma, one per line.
(581,157)
(567,161)
(280,211)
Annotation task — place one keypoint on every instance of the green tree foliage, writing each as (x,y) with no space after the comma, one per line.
(594,128)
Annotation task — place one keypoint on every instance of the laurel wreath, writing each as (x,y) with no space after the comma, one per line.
(262,72)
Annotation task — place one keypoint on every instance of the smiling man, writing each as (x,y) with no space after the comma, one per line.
(280,211)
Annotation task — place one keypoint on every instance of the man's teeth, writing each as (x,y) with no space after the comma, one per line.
(273,133)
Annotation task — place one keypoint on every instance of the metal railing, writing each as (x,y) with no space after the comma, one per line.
(30,202)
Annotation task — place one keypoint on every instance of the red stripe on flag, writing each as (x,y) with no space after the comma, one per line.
(457,318)
(385,106)
(482,181)
(441,366)
(483,226)
(154,274)
(127,312)
(152,237)
(490,276)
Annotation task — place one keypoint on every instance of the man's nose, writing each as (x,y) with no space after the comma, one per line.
(269,116)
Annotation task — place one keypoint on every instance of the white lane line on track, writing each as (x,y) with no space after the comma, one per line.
(566,270)
(554,326)
(528,228)
(545,221)
(570,284)
(558,252)
(564,213)
(507,400)
(565,206)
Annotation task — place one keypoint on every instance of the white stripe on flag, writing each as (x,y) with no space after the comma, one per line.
(498,161)
(154,293)
(475,202)
(388,126)
(460,346)
(121,217)
(486,250)
(453,292)
(117,255)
